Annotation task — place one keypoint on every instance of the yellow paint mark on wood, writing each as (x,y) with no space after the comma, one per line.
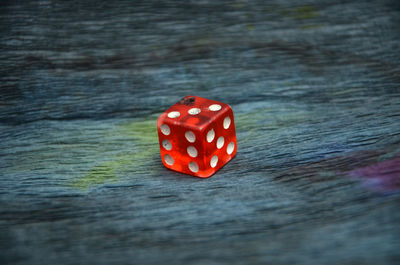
(142,136)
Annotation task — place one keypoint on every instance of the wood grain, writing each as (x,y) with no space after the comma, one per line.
(315,88)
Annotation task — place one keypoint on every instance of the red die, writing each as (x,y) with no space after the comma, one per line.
(197,136)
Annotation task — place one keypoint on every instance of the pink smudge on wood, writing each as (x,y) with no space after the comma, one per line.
(383,176)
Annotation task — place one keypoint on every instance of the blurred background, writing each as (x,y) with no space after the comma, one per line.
(315,89)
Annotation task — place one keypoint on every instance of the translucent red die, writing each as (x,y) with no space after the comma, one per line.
(197,136)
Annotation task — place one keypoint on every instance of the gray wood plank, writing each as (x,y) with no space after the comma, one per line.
(315,88)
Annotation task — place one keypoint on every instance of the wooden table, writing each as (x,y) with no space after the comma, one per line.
(315,88)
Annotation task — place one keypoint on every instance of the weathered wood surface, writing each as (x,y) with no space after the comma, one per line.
(315,87)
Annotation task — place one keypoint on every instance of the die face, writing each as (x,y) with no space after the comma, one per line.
(220,141)
(181,147)
(194,112)
(190,136)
